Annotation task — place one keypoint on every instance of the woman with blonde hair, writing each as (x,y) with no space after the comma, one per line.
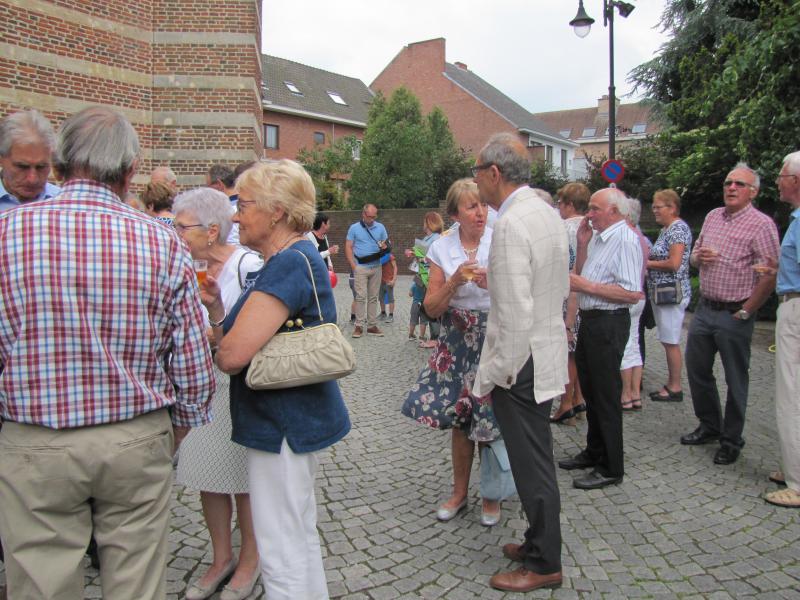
(157,199)
(283,430)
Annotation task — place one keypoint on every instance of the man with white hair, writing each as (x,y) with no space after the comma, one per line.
(787,342)
(106,367)
(164,174)
(26,149)
(608,281)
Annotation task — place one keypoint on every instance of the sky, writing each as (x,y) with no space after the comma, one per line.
(524,48)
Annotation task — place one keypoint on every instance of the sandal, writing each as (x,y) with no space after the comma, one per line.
(628,406)
(428,344)
(777,477)
(669,396)
(787,498)
(636,403)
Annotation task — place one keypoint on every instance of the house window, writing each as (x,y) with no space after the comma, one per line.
(639,128)
(337,98)
(589,132)
(565,133)
(271,137)
(357,150)
(564,162)
(293,88)
(319,137)
(548,155)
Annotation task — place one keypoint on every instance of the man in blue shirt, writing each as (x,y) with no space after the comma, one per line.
(787,341)
(365,241)
(26,147)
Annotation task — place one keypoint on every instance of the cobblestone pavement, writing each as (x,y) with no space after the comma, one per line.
(677,527)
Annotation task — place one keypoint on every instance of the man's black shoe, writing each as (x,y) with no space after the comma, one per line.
(699,436)
(726,455)
(594,481)
(581,461)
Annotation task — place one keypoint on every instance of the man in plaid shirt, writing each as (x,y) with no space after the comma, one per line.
(734,239)
(105,369)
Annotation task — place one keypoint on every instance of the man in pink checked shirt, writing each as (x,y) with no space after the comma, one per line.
(734,239)
(105,368)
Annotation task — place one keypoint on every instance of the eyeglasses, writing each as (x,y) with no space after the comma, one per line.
(180,227)
(737,183)
(474,170)
(778,178)
(240,203)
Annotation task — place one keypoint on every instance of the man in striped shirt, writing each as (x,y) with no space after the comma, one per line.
(734,239)
(608,279)
(105,365)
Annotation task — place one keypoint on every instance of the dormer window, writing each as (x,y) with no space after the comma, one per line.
(293,88)
(565,133)
(639,128)
(589,132)
(337,98)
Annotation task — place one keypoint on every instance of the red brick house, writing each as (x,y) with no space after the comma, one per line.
(589,126)
(474,108)
(305,106)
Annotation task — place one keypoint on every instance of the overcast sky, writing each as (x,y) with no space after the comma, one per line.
(525,48)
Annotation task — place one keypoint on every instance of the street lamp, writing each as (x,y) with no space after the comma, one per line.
(581,24)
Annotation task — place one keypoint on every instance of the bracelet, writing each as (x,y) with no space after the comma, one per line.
(216,323)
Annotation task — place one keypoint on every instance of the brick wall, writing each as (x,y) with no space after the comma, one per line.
(186,73)
(296,132)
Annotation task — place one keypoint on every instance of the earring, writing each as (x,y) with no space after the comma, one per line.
(209,242)
(273,222)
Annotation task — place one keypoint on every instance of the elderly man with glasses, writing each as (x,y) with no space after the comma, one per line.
(735,239)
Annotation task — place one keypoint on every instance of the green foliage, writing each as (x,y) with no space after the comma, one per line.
(546,177)
(644,164)
(407,160)
(329,167)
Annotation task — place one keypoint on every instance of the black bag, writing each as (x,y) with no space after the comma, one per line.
(375,255)
(667,293)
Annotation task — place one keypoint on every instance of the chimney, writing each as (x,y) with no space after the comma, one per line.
(461,65)
(602,106)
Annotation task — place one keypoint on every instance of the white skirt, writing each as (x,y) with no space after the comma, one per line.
(209,461)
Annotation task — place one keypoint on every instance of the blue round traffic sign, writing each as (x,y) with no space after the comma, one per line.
(612,171)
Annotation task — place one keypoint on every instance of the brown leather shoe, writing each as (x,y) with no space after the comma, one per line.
(514,552)
(523,580)
(357,332)
(374,331)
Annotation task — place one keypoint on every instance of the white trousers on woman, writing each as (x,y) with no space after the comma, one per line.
(285,522)
(632,356)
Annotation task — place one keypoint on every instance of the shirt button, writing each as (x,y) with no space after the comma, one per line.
(509,380)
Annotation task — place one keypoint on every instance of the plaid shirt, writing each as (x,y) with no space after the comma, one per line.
(746,238)
(99,315)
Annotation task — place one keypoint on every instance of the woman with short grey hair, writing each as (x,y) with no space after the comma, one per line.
(209,460)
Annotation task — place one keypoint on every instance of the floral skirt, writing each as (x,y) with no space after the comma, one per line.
(441,397)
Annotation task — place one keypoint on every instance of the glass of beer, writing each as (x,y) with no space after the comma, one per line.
(201,268)
(469,271)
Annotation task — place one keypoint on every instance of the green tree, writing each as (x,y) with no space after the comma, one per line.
(330,167)
(448,162)
(546,177)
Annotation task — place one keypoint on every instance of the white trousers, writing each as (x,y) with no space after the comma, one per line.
(787,389)
(632,356)
(285,522)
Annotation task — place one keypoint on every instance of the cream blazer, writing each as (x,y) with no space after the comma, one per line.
(528,283)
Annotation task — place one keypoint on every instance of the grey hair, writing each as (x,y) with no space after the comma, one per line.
(544,195)
(211,207)
(26,126)
(222,173)
(616,198)
(163,173)
(507,153)
(99,143)
(631,210)
(753,172)
(792,162)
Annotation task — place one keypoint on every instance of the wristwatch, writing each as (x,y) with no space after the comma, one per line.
(742,314)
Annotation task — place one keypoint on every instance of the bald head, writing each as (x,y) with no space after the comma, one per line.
(164,174)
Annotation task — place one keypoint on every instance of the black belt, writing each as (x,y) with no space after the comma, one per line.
(727,306)
(598,312)
(788,296)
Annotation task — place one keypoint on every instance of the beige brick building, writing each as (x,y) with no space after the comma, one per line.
(186,73)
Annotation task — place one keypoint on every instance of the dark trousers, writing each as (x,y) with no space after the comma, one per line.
(713,331)
(525,426)
(601,344)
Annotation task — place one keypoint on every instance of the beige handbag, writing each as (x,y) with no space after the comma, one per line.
(308,355)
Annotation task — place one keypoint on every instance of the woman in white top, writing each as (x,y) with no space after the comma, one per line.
(441,396)
(319,237)
(209,460)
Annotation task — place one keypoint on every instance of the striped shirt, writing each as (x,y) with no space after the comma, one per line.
(100,319)
(614,258)
(747,237)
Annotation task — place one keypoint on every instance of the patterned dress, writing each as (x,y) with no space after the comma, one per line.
(678,232)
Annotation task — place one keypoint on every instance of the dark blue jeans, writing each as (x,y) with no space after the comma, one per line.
(712,332)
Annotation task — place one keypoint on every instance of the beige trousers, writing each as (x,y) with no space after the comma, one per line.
(787,389)
(367,283)
(47,477)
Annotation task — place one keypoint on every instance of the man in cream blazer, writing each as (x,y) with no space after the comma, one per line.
(524,358)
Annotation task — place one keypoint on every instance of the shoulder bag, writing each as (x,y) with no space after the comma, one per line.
(375,255)
(303,357)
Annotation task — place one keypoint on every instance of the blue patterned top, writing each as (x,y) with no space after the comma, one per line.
(676,233)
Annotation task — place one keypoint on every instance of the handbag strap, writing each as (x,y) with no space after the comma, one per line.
(313,284)
(239,268)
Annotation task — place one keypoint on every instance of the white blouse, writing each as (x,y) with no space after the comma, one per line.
(447,254)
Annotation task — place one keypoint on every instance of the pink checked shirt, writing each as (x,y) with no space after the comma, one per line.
(743,239)
(100,319)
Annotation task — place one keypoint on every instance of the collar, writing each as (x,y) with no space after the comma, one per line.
(609,231)
(795,213)
(729,217)
(506,202)
(7,198)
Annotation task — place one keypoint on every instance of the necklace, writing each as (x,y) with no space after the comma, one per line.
(286,241)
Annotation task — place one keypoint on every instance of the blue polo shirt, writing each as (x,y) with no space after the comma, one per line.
(789,265)
(8,200)
(363,244)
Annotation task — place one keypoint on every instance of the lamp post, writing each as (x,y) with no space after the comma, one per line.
(581,24)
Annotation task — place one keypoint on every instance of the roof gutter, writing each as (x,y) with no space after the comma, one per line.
(559,140)
(311,115)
